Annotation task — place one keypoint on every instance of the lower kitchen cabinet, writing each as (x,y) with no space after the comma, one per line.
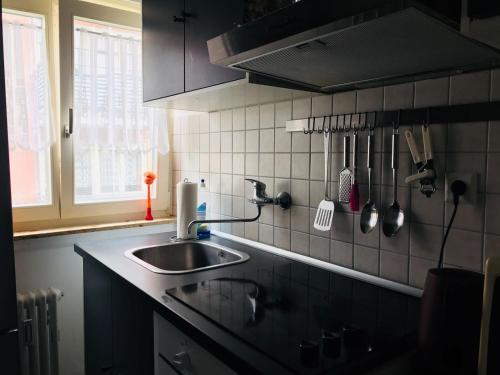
(118,325)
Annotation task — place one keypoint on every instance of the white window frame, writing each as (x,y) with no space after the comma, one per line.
(45,9)
(133,209)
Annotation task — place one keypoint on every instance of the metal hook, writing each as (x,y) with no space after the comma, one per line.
(336,124)
(350,124)
(306,131)
(314,125)
(323,127)
(329,128)
(365,117)
(427,117)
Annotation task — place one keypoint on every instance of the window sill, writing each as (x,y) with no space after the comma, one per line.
(91,228)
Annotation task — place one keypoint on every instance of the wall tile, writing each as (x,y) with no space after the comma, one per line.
(266,234)
(371,239)
(301,108)
(464,249)
(470,87)
(300,243)
(266,165)
(394,266)
(425,241)
(204,143)
(300,192)
(252,117)
(281,217)
(215,163)
(226,185)
(283,113)
(492,175)
(317,169)
(432,92)
(469,217)
(319,248)
(427,210)
(282,238)
(491,246)
(283,140)
(226,121)
(322,105)
(366,259)
(301,142)
(238,185)
(316,192)
(239,141)
(300,166)
(267,140)
(238,207)
(226,205)
(494,136)
(267,116)
(226,142)
(418,271)
(370,99)
(282,165)
(467,137)
(341,253)
(204,123)
(252,164)
(342,227)
(252,141)
(239,163)
(238,229)
(214,122)
(204,162)
(238,119)
(226,163)
(300,218)
(344,102)
(492,216)
(399,96)
(399,244)
(252,231)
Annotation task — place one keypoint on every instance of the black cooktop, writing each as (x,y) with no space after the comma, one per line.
(310,320)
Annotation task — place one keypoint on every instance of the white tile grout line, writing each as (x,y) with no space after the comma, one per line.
(392,285)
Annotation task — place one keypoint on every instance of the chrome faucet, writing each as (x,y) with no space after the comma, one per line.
(259,198)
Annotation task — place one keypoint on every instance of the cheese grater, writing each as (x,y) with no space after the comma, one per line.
(345,176)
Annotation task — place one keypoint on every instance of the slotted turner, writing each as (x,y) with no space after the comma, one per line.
(326,208)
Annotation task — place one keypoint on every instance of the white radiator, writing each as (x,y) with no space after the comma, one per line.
(38,332)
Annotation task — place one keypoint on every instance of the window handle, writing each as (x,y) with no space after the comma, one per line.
(68,129)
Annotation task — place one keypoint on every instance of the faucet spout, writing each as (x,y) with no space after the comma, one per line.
(217,221)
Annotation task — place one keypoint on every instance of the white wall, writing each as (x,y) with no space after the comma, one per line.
(51,261)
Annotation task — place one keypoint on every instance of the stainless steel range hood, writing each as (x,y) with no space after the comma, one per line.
(330,46)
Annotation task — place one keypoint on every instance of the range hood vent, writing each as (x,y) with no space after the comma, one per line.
(397,42)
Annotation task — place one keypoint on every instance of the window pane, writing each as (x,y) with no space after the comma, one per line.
(111,122)
(28,108)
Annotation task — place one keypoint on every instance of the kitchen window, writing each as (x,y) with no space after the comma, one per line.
(29,112)
(80,63)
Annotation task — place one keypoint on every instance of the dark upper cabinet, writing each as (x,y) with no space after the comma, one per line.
(205,20)
(175,53)
(162,48)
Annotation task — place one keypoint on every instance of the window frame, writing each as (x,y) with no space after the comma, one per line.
(44,9)
(69,10)
(59,26)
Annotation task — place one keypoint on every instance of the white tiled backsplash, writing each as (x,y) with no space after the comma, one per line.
(225,147)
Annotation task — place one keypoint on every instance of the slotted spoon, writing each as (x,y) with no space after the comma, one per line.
(326,208)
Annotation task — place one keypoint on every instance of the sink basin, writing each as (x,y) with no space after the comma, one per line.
(185,257)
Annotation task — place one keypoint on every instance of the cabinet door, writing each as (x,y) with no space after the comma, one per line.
(205,20)
(98,322)
(162,48)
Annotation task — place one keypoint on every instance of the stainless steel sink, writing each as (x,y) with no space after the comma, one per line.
(185,257)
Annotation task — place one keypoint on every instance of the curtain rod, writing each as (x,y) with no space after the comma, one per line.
(107,34)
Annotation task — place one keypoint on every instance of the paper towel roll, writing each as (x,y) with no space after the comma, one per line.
(187,198)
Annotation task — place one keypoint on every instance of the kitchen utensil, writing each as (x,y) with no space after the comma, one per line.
(369,214)
(326,208)
(354,193)
(426,174)
(345,176)
(394,217)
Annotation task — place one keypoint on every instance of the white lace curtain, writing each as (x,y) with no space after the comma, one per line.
(29,117)
(108,108)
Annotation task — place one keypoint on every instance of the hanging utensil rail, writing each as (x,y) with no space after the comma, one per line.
(475,112)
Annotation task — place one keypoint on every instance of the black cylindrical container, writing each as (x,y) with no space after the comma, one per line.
(450,321)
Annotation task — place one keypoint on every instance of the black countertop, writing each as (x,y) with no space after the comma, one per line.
(263,310)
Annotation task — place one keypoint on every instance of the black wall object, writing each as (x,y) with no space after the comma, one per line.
(450,322)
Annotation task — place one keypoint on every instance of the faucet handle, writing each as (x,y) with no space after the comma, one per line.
(258,185)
